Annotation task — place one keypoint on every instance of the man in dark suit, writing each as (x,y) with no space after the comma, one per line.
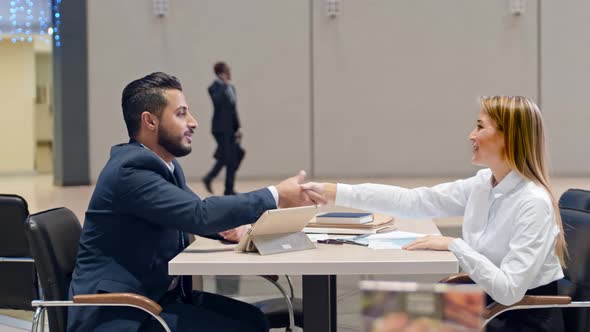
(141,212)
(225,129)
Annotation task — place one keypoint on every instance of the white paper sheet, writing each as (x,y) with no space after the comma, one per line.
(319,236)
(316,237)
(393,240)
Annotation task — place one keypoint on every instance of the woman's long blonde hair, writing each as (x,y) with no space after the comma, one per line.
(521,123)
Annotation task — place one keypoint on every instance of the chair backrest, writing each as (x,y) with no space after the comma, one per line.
(19,281)
(578,199)
(54,236)
(574,207)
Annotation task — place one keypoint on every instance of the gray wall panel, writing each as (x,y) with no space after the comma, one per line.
(397,82)
(565,66)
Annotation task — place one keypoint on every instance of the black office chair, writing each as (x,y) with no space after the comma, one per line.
(17,268)
(574,207)
(578,199)
(53,237)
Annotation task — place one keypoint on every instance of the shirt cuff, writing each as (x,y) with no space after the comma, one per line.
(343,194)
(275,194)
(461,250)
(458,246)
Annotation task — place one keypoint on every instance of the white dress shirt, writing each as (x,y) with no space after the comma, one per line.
(509,231)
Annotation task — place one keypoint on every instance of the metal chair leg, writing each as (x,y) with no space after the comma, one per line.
(42,320)
(290,286)
(287,300)
(36,318)
(43,311)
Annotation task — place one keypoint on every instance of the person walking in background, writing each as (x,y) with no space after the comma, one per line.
(225,128)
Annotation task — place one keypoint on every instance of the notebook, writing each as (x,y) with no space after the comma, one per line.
(381,223)
(352,218)
(409,306)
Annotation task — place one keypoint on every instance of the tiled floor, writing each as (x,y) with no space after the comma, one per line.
(41,194)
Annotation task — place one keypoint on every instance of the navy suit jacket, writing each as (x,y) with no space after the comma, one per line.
(225,114)
(136,222)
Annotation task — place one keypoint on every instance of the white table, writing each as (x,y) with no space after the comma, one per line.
(318,267)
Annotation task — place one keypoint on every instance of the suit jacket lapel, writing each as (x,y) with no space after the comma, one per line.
(177,177)
(178,180)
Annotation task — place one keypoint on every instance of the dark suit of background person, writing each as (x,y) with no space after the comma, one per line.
(225,128)
(140,214)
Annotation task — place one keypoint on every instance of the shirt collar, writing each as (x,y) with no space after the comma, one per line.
(169,165)
(509,182)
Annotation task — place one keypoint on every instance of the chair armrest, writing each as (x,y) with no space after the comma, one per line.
(121,298)
(274,278)
(458,278)
(527,300)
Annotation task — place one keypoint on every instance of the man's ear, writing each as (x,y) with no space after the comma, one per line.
(149,120)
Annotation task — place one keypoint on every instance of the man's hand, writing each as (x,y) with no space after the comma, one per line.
(327,191)
(235,234)
(433,242)
(291,194)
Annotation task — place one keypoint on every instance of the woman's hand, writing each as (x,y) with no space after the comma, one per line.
(432,242)
(327,191)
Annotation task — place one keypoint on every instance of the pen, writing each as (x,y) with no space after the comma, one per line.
(341,241)
(331,241)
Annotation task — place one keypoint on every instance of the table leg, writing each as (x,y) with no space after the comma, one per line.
(319,303)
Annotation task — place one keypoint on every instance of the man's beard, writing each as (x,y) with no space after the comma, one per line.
(172,144)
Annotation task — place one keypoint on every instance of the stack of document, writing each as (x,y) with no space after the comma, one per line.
(380,223)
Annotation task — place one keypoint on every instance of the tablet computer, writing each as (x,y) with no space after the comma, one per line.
(280,229)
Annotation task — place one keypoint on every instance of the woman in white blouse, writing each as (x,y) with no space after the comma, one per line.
(512,241)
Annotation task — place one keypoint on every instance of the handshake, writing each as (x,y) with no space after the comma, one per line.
(293,192)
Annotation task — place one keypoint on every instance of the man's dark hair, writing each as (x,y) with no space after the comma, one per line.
(219,67)
(146,95)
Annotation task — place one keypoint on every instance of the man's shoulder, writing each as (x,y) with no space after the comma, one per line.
(134,156)
(131,151)
(214,85)
(129,165)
